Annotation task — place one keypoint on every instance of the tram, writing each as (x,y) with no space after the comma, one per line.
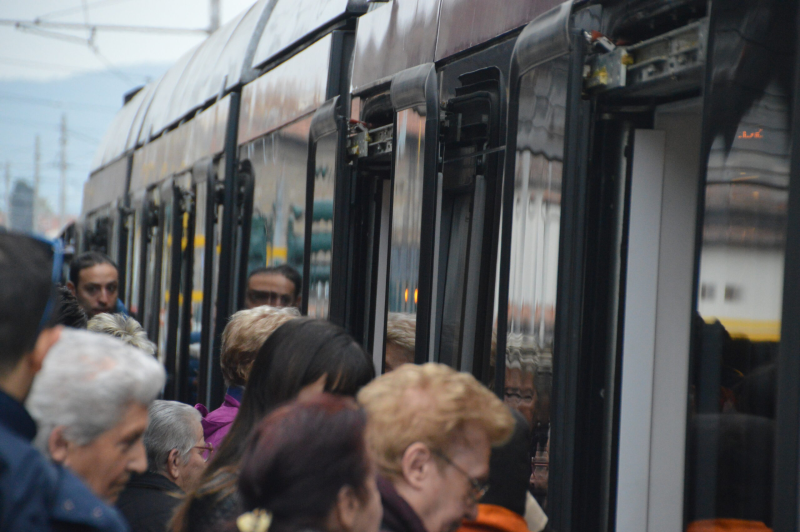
(584,204)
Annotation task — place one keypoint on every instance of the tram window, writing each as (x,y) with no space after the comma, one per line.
(153,268)
(468,185)
(134,263)
(322,227)
(406,227)
(536,218)
(198,262)
(277,233)
(168,233)
(732,401)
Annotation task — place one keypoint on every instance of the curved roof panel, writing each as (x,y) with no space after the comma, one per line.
(159,106)
(115,141)
(217,65)
(291,20)
(147,96)
(204,72)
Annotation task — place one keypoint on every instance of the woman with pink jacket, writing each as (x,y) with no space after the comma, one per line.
(244,335)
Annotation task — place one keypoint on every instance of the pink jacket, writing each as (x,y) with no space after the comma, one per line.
(217,423)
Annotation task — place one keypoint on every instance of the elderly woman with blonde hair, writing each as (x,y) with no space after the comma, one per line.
(244,335)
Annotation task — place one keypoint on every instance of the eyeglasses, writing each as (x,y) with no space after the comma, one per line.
(208,450)
(479,488)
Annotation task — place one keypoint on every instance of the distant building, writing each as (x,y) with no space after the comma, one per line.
(21,207)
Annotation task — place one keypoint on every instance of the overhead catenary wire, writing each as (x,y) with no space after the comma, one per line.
(70,10)
(59,104)
(44,24)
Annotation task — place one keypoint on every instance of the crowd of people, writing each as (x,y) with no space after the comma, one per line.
(307,437)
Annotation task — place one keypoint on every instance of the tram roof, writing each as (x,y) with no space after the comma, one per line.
(217,65)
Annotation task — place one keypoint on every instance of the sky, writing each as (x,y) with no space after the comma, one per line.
(45,75)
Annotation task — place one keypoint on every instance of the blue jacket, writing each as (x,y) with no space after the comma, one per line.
(37,495)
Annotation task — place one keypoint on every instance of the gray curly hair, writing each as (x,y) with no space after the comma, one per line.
(123,327)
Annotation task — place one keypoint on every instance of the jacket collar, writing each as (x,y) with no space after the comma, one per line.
(14,416)
(74,503)
(398,515)
(234,395)
(153,481)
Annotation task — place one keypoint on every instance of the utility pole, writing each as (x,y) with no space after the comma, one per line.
(36,177)
(8,194)
(213,24)
(62,196)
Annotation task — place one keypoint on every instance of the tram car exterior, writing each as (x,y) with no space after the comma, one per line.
(585,204)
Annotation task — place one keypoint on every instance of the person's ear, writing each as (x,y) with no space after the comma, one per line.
(173,469)
(347,506)
(47,338)
(58,446)
(417,464)
(72,288)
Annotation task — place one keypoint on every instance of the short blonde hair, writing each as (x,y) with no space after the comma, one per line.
(123,327)
(401,330)
(431,404)
(244,335)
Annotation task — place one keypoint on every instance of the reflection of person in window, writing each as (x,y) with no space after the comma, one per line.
(520,393)
(401,335)
(276,286)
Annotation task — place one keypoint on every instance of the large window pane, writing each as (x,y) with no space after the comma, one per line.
(403,292)
(133,278)
(166,274)
(536,218)
(322,226)
(277,232)
(738,317)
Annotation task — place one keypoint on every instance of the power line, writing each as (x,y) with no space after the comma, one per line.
(71,10)
(36,123)
(37,23)
(58,104)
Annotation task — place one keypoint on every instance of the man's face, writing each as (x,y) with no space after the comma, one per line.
(97,289)
(190,472)
(106,463)
(452,494)
(271,289)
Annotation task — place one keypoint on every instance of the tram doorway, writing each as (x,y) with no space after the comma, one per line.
(662,218)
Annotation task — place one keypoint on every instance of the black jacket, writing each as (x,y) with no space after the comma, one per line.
(148,502)
(398,516)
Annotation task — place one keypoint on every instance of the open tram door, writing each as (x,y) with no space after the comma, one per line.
(692,295)
(394,161)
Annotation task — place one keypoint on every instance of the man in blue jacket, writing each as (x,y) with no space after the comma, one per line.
(34,494)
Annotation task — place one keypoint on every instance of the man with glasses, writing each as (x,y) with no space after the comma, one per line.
(432,430)
(34,495)
(276,286)
(176,458)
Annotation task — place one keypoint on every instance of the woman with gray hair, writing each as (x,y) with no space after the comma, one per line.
(90,403)
(175,445)
(123,327)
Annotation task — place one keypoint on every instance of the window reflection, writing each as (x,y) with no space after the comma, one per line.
(536,217)
(322,227)
(733,394)
(403,291)
(166,274)
(277,232)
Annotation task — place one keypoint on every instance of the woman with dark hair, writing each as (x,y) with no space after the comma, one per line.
(333,491)
(302,358)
